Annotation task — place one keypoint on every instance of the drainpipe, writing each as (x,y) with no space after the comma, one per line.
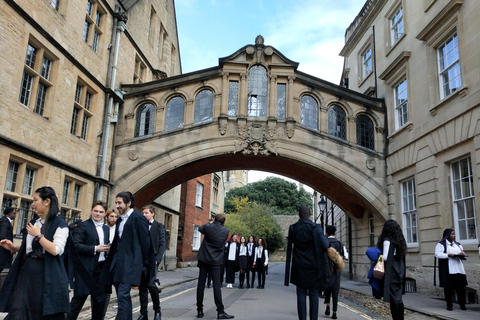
(375,62)
(118,28)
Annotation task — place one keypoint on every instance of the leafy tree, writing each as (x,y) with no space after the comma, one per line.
(257,220)
(282,195)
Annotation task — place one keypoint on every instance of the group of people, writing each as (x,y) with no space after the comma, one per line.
(248,259)
(90,256)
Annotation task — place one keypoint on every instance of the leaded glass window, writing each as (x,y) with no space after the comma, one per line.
(203,106)
(309,112)
(463,197)
(31,56)
(76,195)
(46,68)
(41,97)
(281,100)
(257,92)
(409,208)
(73,125)
(365,132)
(28,181)
(232,98)
(66,191)
(174,114)
(337,122)
(26,89)
(86,120)
(145,120)
(12,173)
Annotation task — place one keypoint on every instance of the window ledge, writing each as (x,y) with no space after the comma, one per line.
(462,92)
(390,49)
(408,126)
(413,247)
(362,81)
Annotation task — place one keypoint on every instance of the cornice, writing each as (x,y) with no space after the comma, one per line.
(435,23)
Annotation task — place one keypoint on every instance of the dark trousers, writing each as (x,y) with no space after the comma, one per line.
(333,290)
(215,271)
(230,267)
(396,303)
(124,301)
(77,303)
(154,293)
(250,270)
(457,283)
(302,303)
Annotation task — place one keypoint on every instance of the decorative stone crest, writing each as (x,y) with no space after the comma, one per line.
(370,163)
(255,141)
(133,155)
(222,124)
(290,127)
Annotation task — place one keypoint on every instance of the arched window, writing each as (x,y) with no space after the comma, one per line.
(309,112)
(203,106)
(337,122)
(365,132)
(257,91)
(174,114)
(144,120)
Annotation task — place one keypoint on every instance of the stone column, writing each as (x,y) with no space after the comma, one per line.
(289,108)
(242,107)
(272,97)
(224,93)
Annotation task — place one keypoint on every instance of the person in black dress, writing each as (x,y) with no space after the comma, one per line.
(260,261)
(242,262)
(25,294)
(250,254)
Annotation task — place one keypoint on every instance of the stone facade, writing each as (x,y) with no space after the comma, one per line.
(432,121)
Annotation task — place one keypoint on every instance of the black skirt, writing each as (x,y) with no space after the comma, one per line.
(242,262)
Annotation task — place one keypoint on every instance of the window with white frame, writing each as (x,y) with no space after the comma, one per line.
(36,78)
(401,104)
(92,27)
(199,195)
(82,110)
(463,199)
(409,209)
(396,25)
(367,62)
(196,237)
(449,66)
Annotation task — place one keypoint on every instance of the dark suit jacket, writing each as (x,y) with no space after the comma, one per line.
(211,249)
(309,265)
(157,240)
(6,232)
(85,238)
(130,254)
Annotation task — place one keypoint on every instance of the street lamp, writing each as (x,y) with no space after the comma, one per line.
(322,205)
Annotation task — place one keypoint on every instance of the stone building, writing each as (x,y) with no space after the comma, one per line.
(422,57)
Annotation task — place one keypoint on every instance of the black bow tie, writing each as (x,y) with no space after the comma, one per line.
(150,223)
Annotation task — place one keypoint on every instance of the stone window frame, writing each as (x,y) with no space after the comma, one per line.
(391,38)
(93,24)
(83,109)
(305,120)
(257,81)
(461,196)
(140,114)
(330,112)
(409,211)
(70,209)
(203,109)
(17,198)
(151,25)
(38,78)
(162,39)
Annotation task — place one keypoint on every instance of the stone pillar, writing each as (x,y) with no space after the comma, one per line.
(225,88)
(289,108)
(242,107)
(189,111)
(272,97)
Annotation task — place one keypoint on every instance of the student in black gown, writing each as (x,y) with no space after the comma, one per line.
(37,285)
(250,253)
(260,261)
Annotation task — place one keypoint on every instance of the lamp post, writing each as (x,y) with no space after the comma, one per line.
(322,204)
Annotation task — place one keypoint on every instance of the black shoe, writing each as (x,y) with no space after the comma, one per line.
(157,316)
(334,315)
(200,314)
(248,286)
(143,317)
(223,315)
(327,311)
(449,308)
(463,307)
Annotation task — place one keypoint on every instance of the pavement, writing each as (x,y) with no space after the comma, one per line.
(433,307)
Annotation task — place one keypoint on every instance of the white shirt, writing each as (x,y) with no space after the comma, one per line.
(345,252)
(232,251)
(258,253)
(243,250)
(101,236)
(455,265)
(112,232)
(59,238)
(250,247)
(124,220)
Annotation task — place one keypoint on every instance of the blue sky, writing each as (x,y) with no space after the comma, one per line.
(310,32)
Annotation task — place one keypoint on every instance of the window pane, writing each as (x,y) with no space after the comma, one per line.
(281,100)
(174,114)
(31,55)
(199,195)
(145,120)
(78,94)
(86,120)
(257,92)
(66,191)
(233,98)
(337,122)
(26,89)
(365,132)
(28,181)
(46,67)
(88,100)
(89,7)
(12,172)
(96,37)
(73,126)
(98,18)
(449,66)
(41,97)
(55,4)
(86,28)
(25,214)
(76,195)
(309,112)
(401,104)
(203,106)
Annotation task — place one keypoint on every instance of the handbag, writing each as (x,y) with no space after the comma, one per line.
(379,269)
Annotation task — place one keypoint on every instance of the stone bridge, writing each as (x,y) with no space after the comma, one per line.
(253,111)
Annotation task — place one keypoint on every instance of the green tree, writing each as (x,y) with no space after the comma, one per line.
(257,220)
(282,195)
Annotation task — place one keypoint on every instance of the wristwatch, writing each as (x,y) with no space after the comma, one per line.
(37,238)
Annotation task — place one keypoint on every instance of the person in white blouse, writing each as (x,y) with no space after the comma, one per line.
(451,271)
(232,256)
(242,261)
(260,261)
(26,294)
(250,254)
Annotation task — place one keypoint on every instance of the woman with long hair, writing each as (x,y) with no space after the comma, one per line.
(242,261)
(37,285)
(393,245)
(231,262)
(250,254)
(451,271)
(260,261)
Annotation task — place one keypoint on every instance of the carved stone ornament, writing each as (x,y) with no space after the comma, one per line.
(370,163)
(290,127)
(222,124)
(133,155)
(255,142)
